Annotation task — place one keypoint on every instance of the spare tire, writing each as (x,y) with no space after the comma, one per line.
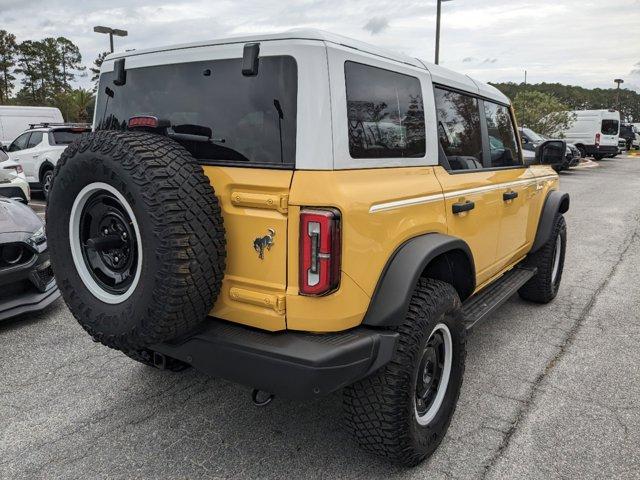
(136,238)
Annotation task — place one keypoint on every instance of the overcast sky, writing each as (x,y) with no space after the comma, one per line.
(577,42)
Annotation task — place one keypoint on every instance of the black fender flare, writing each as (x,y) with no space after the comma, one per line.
(390,301)
(556,202)
(46,165)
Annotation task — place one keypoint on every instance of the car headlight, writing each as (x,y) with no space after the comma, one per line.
(38,237)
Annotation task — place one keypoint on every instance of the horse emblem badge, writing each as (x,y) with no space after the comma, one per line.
(261,244)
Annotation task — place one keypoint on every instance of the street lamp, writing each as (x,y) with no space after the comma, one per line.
(618,81)
(111,32)
(438,29)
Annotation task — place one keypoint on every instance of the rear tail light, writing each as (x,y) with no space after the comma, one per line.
(17,168)
(597,139)
(143,121)
(319,251)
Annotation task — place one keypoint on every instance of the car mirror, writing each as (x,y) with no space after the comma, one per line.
(551,152)
(3,155)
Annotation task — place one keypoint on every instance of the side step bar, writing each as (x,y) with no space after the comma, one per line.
(481,305)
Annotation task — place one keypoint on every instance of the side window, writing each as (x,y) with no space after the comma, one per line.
(385,113)
(20,143)
(459,129)
(35,139)
(502,136)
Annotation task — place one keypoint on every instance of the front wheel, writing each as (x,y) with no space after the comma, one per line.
(403,411)
(598,156)
(549,261)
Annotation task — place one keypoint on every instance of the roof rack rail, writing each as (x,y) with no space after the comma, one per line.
(53,124)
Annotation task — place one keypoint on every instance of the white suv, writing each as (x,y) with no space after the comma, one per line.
(37,150)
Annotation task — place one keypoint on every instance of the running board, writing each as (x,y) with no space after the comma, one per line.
(481,305)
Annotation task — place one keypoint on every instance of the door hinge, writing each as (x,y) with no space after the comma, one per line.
(275,302)
(271,201)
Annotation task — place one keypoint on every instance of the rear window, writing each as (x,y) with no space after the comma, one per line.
(65,137)
(214,111)
(385,113)
(610,127)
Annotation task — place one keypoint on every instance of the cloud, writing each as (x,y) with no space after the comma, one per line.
(376,25)
(491,40)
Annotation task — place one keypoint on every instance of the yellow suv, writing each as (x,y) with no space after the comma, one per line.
(303,213)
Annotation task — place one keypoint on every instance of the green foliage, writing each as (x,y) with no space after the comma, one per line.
(541,112)
(8,49)
(76,105)
(579,98)
(95,70)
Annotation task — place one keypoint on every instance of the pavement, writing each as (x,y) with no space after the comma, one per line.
(550,391)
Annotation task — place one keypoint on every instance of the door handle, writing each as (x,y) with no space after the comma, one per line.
(509,195)
(36,155)
(463,207)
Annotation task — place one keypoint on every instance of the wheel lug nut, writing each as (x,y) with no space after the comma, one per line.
(106,231)
(116,259)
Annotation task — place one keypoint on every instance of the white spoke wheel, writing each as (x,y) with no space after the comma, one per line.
(105,242)
(433,375)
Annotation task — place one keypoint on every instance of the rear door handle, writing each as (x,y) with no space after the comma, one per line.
(463,207)
(509,195)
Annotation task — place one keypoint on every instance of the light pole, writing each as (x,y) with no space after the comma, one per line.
(618,81)
(439,9)
(111,32)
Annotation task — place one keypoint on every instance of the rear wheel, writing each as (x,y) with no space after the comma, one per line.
(138,240)
(582,150)
(549,261)
(403,411)
(45,182)
(598,156)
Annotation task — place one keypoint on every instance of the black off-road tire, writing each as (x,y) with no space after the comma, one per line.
(380,410)
(181,232)
(543,287)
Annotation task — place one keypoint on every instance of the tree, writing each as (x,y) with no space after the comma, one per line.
(70,61)
(541,112)
(76,105)
(8,50)
(95,70)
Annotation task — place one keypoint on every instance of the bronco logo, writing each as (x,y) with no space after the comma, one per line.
(260,243)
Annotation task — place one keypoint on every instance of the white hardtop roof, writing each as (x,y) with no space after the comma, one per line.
(439,74)
(19,107)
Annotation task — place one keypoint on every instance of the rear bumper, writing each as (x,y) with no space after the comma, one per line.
(601,149)
(291,364)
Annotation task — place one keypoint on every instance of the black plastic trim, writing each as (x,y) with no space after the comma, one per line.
(391,298)
(292,364)
(556,202)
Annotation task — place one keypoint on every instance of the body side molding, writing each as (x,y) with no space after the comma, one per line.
(556,202)
(395,287)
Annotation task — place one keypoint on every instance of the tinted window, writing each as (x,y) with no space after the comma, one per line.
(20,143)
(385,113)
(65,137)
(609,127)
(459,129)
(502,136)
(35,139)
(218,114)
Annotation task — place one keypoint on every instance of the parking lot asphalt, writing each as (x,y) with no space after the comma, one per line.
(549,392)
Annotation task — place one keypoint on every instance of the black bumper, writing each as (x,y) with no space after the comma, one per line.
(28,286)
(291,364)
(601,150)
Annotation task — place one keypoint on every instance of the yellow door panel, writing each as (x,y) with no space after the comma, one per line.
(254,208)
(381,209)
(513,240)
(478,227)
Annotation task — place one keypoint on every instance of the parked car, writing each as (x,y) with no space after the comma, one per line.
(387,209)
(531,140)
(16,119)
(12,185)
(37,150)
(636,131)
(594,132)
(628,135)
(11,166)
(26,277)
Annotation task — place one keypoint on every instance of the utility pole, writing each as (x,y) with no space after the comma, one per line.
(111,32)
(438,14)
(618,81)
(524,103)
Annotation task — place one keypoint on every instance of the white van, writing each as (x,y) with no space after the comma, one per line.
(594,132)
(14,120)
